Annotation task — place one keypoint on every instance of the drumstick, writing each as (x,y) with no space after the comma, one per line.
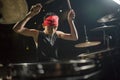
(48,2)
(70,7)
(69,4)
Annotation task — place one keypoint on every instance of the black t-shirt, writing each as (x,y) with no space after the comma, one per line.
(47,47)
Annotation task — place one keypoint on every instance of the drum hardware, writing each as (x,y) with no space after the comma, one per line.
(87,43)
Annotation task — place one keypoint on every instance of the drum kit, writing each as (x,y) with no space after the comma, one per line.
(65,68)
(84,66)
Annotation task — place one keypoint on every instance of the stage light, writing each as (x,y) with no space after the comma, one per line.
(117,1)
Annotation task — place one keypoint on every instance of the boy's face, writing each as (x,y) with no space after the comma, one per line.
(51,23)
(51,29)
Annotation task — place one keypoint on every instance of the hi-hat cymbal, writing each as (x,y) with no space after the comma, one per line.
(94,53)
(107,18)
(87,44)
(103,28)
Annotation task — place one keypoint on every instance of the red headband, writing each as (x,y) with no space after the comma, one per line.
(51,21)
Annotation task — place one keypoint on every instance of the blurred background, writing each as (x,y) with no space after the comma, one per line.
(96,20)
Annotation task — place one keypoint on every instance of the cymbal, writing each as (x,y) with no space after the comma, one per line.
(81,61)
(12,11)
(87,44)
(103,28)
(107,18)
(85,67)
(94,53)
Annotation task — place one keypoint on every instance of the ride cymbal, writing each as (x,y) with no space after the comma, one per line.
(87,44)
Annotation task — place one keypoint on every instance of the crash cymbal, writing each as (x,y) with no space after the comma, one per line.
(107,18)
(12,11)
(87,44)
(103,28)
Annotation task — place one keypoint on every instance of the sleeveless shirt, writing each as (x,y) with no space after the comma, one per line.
(47,47)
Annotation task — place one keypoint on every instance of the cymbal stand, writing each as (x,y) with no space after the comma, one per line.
(107,42)
(86,37)
(104,34)
(106,39)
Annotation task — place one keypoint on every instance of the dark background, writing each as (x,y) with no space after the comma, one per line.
(17,48)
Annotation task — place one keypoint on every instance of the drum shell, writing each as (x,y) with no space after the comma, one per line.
(52,70)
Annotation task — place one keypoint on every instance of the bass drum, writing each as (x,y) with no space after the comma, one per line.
(12,11)
(53,70)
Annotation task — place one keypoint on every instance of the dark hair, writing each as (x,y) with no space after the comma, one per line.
(49,14)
